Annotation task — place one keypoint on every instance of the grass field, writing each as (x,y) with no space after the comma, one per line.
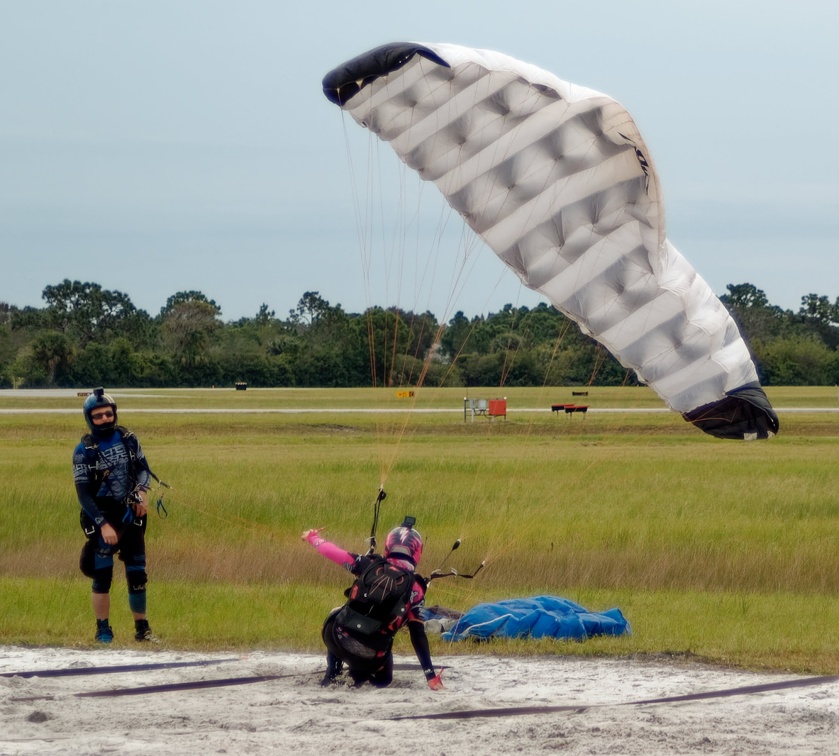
(713,549)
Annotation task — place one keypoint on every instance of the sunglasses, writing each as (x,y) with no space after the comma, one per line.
(104,415)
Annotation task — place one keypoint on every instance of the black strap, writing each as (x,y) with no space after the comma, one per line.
(377,505)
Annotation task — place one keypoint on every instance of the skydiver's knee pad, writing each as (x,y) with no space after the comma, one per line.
(102,579)
(97,563)
(137,580)
(87,560)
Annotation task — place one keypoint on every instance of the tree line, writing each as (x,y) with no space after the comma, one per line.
(86,336)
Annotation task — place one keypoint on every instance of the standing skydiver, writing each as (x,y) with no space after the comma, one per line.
(386,594)
(112,480)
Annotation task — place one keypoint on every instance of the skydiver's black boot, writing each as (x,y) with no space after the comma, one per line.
(333,668)
(143,633)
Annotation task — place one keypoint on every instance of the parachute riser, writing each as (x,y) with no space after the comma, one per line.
(377,505)
(438,573)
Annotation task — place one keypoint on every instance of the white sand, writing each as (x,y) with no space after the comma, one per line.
(291,713)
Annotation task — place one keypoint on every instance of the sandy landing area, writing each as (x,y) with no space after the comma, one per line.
(273,703)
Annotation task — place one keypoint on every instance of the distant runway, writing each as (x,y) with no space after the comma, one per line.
(73,393)
(375,411)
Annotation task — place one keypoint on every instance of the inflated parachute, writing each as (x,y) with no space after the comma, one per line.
(557,181)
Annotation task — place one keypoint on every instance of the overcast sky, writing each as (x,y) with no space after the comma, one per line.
(168,145)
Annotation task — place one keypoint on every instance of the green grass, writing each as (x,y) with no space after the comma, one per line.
(718,550)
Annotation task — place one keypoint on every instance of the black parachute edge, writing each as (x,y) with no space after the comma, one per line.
(348,79)
(745,413)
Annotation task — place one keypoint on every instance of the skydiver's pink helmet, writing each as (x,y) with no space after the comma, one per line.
(404,543)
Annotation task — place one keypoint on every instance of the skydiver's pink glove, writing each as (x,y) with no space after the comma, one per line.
(311,536)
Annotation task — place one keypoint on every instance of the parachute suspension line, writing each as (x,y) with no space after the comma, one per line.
(394,348)
(599,361)
(429,356)
(368,206)
(394,331)
(393,267)
(365,213)
(362,223)
(371,348)
(377,505)
(460,274)
(419,338)
(414,340)
(510,354)
(383,340)
(563,331)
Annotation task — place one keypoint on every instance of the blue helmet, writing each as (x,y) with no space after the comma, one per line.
(99,399)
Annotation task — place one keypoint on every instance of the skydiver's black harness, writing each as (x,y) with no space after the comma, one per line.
(99,470)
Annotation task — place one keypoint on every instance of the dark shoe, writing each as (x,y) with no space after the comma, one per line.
(143,632)
(333,669)
(329,678)
(104,633)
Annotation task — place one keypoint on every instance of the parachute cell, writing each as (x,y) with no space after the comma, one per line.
(558,182)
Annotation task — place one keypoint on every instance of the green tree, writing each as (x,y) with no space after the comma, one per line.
(92,366)
(796,361)
(183,297)
(54,353)
(86,312)
(819,318)
(322,343)
(11,342)
(455,335)
(263,332)
(752,312)
(819,309)
(188,326)
(311,308)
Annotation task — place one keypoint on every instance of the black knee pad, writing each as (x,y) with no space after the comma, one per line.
(102,579)
(86,560)
(102,576)
(137,580)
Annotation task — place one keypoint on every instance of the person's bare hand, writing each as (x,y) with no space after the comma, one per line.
(109,535)
(141,507)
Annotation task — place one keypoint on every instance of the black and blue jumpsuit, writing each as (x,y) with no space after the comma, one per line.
(106,474)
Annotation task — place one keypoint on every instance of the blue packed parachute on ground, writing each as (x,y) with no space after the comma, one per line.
(536,617)
(558,181)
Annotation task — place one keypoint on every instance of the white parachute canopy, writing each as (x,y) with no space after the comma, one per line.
(558,182)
